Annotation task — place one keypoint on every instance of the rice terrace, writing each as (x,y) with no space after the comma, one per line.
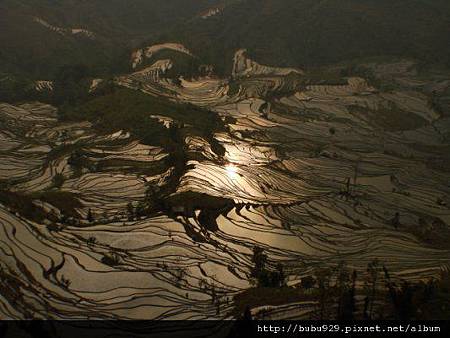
(225,159)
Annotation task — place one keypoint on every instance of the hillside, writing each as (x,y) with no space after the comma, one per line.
(293,33)
(300,33)
(38,37)
(211,160)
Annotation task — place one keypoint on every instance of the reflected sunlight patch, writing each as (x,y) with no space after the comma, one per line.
(231,171)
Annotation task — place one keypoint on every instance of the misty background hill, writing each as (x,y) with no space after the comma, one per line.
(29,47)
(310,32)
(301,33)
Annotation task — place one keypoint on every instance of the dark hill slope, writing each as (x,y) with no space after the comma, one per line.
(30,48)
(312,32)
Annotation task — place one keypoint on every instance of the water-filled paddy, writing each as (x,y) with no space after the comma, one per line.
(313,183)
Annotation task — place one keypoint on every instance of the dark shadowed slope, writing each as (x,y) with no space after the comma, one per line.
(311,32)
(38,36)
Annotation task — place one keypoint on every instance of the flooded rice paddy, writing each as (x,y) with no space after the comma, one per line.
(313,183)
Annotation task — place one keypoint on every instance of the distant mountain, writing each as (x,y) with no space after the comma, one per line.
(300,33)
(39,36)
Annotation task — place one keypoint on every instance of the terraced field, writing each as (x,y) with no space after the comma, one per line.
(312,176)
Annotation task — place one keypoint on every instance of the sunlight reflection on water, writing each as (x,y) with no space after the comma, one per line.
(232,171)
